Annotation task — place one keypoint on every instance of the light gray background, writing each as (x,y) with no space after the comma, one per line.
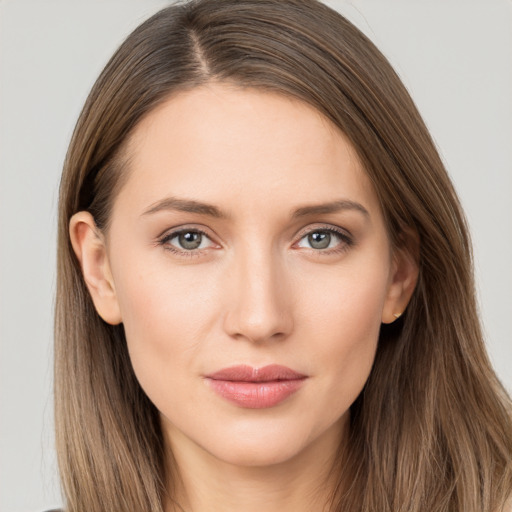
(454,55)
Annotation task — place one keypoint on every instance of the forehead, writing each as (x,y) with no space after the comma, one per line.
(221,143)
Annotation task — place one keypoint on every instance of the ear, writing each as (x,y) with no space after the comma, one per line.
(89,245)
(403,278)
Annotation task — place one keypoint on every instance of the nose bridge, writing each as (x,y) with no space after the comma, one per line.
(259,306)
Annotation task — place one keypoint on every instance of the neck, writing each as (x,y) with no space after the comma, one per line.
(203,483)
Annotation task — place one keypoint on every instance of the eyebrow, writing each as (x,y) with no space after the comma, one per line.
(185,205)
(332,207)
(192,206)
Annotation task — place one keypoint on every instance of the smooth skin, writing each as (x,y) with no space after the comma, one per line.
(248,233)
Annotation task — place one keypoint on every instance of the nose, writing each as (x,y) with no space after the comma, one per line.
(259,303)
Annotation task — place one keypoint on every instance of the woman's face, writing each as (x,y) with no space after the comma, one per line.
(247,236)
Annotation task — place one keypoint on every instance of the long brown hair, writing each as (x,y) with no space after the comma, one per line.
(431,431)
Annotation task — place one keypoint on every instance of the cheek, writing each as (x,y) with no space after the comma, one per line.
(166,313)
(346,300)
(344,318)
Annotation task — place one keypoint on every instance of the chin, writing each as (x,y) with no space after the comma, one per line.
(258,452)
(268,443)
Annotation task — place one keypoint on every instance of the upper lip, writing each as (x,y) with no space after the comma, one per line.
(245,373)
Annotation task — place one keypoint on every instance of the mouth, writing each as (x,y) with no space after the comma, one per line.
(256,388)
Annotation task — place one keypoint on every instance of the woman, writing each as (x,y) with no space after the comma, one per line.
(265,294)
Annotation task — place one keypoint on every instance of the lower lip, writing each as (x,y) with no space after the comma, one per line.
(256,395)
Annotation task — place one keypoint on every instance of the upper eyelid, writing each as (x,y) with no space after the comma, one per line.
(323,227)
(171,232)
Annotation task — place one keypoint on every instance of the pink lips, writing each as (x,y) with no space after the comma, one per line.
(256,388)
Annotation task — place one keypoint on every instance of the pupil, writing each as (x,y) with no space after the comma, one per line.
(319,240)
(190,240)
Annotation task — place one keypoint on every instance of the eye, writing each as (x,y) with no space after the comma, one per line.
(325,239)
(186,240)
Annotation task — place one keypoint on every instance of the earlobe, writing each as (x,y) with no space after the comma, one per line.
(402,283)
(89,247)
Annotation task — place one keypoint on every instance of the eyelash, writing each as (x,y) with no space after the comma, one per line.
(165,239)
(346,241)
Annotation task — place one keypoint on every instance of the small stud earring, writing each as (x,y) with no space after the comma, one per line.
(397,315)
